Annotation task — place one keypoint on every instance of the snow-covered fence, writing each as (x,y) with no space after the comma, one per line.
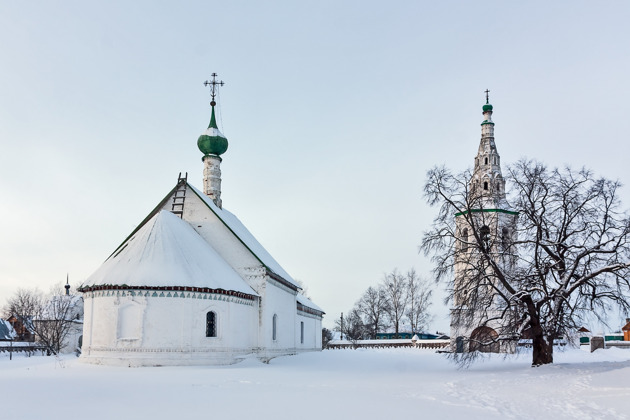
(618,344)
(21,346)
(606,342)
(396,343)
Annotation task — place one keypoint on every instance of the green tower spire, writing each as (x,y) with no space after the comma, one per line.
(487,106)
(212,141)
(213,121)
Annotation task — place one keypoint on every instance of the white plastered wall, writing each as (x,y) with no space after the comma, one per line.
(278,300)
(312,332)
(149,330)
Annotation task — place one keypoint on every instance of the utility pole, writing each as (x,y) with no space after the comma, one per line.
(341,326)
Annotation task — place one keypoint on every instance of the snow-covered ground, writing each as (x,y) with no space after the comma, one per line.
(333,384)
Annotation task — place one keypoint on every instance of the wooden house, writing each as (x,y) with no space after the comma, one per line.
(23,333)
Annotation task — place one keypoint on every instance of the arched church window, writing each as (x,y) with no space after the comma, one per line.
(211,324)
(485,237)
(485,185)
(274,327)
(464,243)
(486,161)
(505,238)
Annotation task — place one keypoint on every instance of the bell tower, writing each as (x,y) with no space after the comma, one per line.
(485,234)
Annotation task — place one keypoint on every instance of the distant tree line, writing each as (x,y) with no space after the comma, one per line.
(398,301)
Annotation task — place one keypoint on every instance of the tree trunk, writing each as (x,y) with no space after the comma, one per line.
(542,350)
(542,346)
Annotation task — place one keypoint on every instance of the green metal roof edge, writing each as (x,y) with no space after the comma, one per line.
(146,219)
(238,237)
(514,213)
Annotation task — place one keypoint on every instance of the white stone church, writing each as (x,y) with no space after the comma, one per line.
(192,286)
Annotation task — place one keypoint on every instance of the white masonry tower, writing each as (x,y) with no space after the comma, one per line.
(489,219)
(487,181)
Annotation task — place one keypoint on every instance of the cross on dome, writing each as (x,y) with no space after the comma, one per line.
(214,88)
(212,141)
(487,107)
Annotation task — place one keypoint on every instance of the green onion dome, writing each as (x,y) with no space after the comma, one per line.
(487,107)
(212,142)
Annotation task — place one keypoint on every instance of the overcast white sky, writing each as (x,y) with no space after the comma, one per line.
(334,111)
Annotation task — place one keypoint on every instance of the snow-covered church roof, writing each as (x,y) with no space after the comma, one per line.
(244,235)
(167,251)
(303,300)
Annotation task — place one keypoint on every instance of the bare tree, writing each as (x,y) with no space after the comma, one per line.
(49,317)
(303,288)
(327,336)
(373,308)
(351,327)
(23,305)
(395,290)
(568,256)
(419,299)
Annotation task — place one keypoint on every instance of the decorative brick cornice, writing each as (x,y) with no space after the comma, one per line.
(169,292)
(306,311)
(281,280)
(186,350)
(281,284)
